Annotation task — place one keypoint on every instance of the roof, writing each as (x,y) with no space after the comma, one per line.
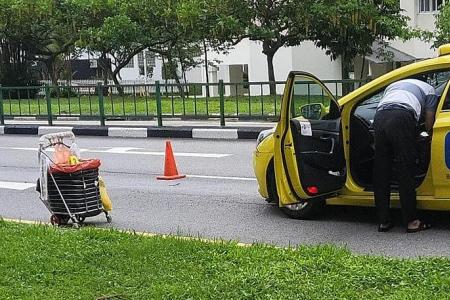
(382,52)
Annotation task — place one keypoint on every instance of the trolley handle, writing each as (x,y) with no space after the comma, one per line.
(55,138)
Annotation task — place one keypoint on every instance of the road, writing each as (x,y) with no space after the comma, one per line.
(218,199)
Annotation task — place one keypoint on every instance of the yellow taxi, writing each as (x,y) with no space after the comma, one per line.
(322,149)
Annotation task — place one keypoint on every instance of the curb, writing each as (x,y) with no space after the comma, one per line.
(249,133)
(133,232)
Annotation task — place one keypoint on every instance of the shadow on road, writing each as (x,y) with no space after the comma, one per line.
(367,215)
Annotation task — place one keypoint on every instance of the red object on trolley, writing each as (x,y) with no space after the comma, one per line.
(81,166)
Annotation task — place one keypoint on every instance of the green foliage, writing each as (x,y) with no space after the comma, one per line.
(442,34)
(63,92)
(347,28)
(39,262)
(180,30)
(278,24)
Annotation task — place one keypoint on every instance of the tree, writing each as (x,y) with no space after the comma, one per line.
(217,24)
(279,23)
(348,28)
(111,33)
(16,41)
(118,37)
(54,27)
(442,33)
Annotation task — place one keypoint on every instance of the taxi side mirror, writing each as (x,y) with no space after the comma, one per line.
(312,111)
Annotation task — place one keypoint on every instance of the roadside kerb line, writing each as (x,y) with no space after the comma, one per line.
(222,134)
(187,131)
(53,129)
(127,132)
(139,233)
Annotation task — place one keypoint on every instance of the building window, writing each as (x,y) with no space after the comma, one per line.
(141,63)
(146,63)
(130,63)
(426,6)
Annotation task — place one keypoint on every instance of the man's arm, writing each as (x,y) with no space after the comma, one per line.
(431,102)
(429,121)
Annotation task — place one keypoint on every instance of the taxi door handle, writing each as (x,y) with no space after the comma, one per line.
(328,138)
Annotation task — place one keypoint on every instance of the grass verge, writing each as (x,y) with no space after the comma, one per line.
(41,262)
(145,106)
(115,106)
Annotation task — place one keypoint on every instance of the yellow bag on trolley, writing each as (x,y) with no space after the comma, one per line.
(106,201)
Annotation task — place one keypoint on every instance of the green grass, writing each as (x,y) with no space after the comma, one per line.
(143,106)
(146,106)
(40,262)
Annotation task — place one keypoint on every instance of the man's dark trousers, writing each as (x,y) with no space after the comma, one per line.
(395,137)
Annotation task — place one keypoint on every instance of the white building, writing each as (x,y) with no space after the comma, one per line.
(247,62)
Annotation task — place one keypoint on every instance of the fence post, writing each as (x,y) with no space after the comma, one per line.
(48,99)
(158,103)
(222,103)
(2,113)
(101,103)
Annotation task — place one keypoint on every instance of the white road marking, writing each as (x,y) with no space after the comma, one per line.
(129,150)
(117,150)
(19,186)
(222,177)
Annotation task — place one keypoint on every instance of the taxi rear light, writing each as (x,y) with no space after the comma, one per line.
(312,190)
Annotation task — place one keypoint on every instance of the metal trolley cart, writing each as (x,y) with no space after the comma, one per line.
(70,192)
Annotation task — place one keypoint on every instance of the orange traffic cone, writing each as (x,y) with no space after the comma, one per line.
(170,167)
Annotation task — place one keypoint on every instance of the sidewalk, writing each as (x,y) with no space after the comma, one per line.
(173,128)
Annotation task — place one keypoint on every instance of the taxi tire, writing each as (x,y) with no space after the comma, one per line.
(310,211)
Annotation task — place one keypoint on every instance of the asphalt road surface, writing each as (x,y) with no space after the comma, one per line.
(218,199)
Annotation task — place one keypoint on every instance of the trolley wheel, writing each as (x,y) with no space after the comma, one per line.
(76,225)
(80,219)
(108,219)
(55,220)
(64,220)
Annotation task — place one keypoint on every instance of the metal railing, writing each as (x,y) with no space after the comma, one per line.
(158,101)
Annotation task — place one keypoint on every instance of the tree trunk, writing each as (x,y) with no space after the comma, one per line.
(173,71)
(165,73)
(345,69)
(363,66)
(116,82)
(105,69)
(205,50)
(51,69)
(271,73)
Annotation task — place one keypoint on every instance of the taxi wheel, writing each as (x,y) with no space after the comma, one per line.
(305,211)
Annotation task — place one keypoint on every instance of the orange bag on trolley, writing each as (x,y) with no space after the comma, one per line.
(82,165)
(68,168)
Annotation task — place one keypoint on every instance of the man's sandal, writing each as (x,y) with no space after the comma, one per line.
(422,226)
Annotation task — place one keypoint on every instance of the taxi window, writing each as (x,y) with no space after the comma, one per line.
(311,101)
(437,79)
(446,105)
